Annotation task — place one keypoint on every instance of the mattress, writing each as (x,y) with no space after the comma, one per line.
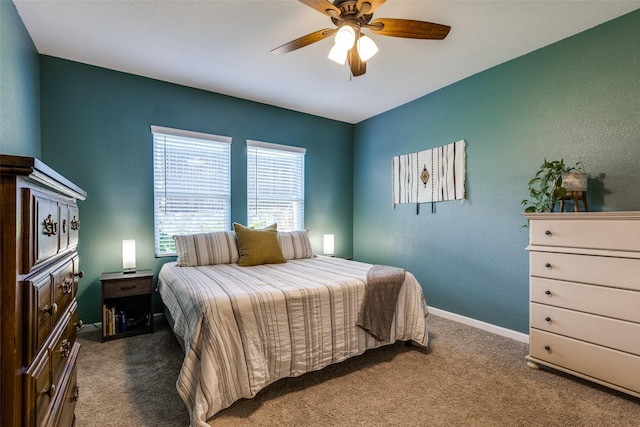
(246,327)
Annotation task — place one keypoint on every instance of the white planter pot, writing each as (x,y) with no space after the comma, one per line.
(574,181)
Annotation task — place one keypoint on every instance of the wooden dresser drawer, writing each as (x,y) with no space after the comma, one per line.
(619,235)
(611,302)
(61,411)
(60,349)
(38,392)
(64,287)
(604,364)
(129,287)
(68,405)
(598,270)
(604,331)
(38,315)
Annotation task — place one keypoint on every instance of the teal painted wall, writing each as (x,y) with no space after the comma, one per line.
(578,99)
(19,86)
(96,132)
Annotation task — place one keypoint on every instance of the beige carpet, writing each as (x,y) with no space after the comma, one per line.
(467,377)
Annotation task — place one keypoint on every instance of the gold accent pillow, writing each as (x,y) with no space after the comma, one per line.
(258,246)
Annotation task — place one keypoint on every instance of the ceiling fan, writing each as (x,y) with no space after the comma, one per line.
(350,18)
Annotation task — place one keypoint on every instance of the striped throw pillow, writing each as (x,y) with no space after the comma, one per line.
(218,247)
(295,244)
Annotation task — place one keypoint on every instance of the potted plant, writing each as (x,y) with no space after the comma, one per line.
(553,181)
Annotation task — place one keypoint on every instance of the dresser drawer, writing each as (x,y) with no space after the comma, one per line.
(38,392)
(68,405)
(128,287)
(619,235)
(64,286)
(612,333)
(38,315)
(597,270)
(611,302)
(60,349)
(44,224)
(604,364)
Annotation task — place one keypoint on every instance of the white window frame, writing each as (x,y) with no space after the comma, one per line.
(271,202)
(194,204)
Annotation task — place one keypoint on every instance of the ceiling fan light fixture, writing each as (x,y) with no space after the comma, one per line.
(346,37)
(338,54)
(366,48)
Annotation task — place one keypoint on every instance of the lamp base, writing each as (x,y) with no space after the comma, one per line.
(129,270)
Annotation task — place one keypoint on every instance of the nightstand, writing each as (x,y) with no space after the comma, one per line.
(127,305)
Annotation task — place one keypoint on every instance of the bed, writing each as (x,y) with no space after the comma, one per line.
(244,327)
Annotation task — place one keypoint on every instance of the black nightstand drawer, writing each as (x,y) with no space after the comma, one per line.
(124,288)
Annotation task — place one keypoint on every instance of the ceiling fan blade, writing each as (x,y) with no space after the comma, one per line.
(323,6)
(304,41)
(374,4)
(408,28)
(357,66)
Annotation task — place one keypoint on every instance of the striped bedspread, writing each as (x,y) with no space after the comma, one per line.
(246,327)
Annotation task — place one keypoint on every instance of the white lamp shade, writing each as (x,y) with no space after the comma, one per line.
(366,48)
(338,54)
(328,244)
(129,256)
(346,37)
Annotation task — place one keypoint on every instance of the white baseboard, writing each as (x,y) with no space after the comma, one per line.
(498,330)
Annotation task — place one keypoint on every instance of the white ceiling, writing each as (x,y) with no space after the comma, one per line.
(224,46)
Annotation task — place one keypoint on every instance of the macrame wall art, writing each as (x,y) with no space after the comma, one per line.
(429,176)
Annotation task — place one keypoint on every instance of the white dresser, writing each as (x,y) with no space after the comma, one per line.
(585,296)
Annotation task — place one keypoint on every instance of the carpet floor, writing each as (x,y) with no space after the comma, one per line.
(467,377)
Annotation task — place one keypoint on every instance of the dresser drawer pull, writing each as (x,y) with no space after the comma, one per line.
(66,285)
(548,233)
(51,391)
(76,393)
(79,324)
(548,265)
(546,347)
(64,226)
(79,274)
(50,227)
(65,348)
(547,292)
(51,309)
(127,288)
(548,319)
(75,224)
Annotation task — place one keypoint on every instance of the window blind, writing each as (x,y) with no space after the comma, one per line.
(192,185)
(275,185)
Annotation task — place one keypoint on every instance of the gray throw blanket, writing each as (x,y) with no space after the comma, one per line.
(380,300)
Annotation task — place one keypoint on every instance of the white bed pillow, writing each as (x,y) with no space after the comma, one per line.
(218,247)
(295,244)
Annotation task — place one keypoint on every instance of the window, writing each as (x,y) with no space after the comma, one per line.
(275,185)
(191,185)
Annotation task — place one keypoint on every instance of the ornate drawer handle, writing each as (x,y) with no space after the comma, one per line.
(76,393)
(79,324)
(50,227)
(65,348)
(548,233)
(51,391)
(66,285)
(64,226)
(52,309)
(75,224)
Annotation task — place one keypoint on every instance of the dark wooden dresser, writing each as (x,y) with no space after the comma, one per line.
(40,225)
